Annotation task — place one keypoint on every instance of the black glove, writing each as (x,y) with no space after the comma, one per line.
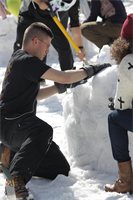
(63,87)
(72,85)
(111,104)
(94,69)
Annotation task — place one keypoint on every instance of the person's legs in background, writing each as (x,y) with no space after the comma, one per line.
(23,22)
(119,123)
(100,33)
(63,15)
(62,46)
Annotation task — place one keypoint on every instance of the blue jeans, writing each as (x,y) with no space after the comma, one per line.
(119,123)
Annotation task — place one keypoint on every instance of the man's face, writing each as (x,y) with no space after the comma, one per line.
(42,47)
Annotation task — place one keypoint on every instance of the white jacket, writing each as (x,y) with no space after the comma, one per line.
(124,92)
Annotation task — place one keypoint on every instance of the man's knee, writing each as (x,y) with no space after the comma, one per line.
(41,133)
(88,31)
(67,169)
(64,171)
(46,130)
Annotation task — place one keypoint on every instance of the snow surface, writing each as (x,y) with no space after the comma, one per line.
(79,119)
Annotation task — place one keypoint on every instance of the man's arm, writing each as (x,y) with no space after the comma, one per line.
(76,32)
(94,11)
(72,76)
(64,77)
(75,29)
(47,92)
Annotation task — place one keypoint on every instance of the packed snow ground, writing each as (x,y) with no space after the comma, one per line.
(79,119)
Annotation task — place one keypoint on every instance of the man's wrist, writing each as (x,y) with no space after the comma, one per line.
(81,47)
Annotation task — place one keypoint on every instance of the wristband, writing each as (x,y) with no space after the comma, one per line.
(81,47)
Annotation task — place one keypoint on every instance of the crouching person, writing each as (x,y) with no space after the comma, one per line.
(120,121)
(27,146)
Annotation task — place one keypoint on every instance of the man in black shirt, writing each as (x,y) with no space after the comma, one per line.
(30,139)
(37,11)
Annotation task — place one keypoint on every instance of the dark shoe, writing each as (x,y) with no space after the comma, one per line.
(5,153)
(20,189)
(124,183)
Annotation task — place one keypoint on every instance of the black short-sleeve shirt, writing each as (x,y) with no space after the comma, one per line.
(22,82)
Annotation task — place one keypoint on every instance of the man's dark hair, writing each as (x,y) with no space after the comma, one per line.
(36,30)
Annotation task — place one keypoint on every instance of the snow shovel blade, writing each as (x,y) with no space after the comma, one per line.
(10,192)
(9,189)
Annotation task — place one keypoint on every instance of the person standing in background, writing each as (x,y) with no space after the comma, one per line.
(38,11)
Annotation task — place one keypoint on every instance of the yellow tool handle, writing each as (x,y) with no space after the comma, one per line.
(66,34)
(64,30)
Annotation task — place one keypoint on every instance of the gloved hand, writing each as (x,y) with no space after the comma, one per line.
(90,69)
(63,87)
(94,69)
(111,104)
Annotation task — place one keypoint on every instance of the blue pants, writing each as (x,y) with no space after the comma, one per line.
(119,123)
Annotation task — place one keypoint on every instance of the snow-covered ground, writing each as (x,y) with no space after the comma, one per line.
(79,119)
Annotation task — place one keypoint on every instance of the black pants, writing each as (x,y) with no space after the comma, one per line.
(59,42)
(33,151)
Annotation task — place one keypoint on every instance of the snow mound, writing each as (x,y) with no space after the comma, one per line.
(86,121)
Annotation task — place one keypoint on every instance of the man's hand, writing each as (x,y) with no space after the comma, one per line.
(63,87)
(94,69)
(82,54)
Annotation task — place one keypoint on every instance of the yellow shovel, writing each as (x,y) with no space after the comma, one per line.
(63,29)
